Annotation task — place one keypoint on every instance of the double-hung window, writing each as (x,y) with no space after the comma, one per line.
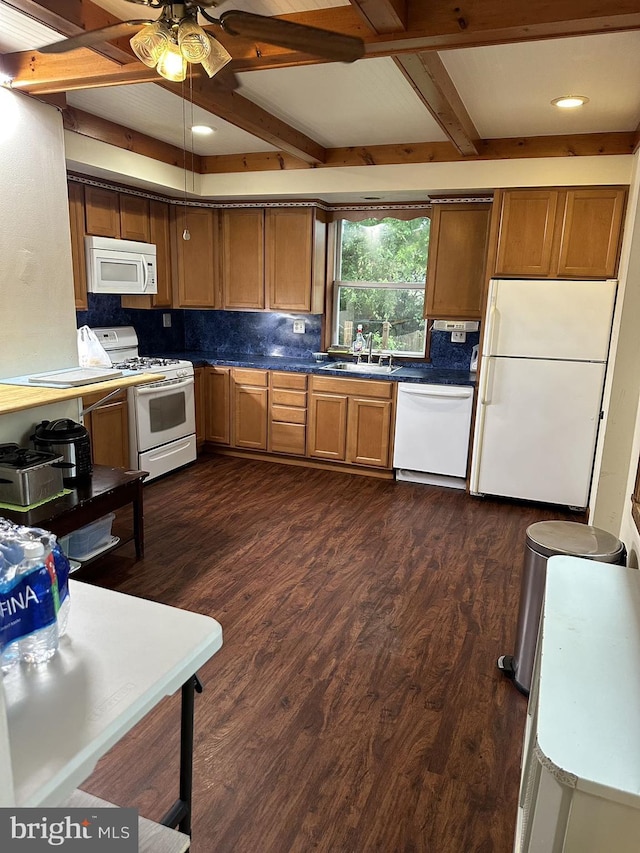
(381,268)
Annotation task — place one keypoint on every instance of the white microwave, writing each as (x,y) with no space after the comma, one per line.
(120,266)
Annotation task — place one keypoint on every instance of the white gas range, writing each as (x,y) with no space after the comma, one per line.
(162,420)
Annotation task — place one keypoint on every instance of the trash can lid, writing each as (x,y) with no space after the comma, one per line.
(574,539)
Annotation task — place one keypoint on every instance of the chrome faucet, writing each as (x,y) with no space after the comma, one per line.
(369,346)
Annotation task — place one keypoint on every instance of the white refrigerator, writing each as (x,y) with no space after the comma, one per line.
(544,356)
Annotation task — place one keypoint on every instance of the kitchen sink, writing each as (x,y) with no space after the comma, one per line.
(352,367)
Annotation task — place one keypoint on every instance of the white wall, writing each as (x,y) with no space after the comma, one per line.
(37,311)
(610,502)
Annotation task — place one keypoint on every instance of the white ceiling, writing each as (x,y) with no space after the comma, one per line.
(506,89)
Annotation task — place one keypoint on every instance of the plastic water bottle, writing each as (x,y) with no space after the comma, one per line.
(9,648)
(62,567)
(39,597)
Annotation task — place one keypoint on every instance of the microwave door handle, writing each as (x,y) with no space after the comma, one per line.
(154,387)
(145,271)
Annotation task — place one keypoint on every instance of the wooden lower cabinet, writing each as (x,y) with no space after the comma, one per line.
(351,421)
(369,432)
(328,426)
(108,428)
(250,395)
(217,404)
(291,414)
(287,413)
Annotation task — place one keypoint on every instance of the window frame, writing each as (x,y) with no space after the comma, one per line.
(336,283)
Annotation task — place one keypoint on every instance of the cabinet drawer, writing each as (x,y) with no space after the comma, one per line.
(288,414)
(288,438)
(288,380)
(289,398)
(249,376)
(359,387)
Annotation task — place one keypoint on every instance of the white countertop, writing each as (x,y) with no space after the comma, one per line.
(589,689)
(120,657)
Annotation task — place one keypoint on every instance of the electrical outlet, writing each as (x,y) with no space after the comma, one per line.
(458,337)
(298,327)
(166,321)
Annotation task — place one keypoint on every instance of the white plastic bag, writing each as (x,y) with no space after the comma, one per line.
(90,351)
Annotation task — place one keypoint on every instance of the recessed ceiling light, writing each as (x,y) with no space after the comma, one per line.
(569,102)
(202,129)
(5,80)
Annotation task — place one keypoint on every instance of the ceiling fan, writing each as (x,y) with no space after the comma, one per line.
(175,39)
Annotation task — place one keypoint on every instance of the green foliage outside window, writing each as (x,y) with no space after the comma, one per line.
(384,257)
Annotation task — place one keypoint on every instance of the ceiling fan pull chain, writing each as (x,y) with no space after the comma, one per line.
(185,234)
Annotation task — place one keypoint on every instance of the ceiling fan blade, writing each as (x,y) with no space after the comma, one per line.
(114,31)
(324,43)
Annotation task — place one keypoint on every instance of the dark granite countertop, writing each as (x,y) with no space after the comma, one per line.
(420,374)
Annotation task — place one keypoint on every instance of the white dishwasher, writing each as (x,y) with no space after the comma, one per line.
(432,433)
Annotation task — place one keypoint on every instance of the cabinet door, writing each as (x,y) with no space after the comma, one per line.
(327,431)
(160,234)
(525,240)
(101,211)
(242,258)
(134,218)
(591,233)
(457,257)
(108,428)
(250,417)
(76,223)
(199,395)
(217,405)
(289,258)
(369,432)
(194,260)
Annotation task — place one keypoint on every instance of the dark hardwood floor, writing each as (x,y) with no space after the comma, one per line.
(356,704)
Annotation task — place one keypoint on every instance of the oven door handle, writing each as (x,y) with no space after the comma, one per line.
(163,385)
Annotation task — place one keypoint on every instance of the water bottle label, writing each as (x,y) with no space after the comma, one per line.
(62,571)
(27,604)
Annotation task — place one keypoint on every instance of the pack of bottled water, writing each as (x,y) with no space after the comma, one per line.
(34,594)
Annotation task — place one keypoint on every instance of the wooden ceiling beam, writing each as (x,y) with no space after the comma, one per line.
(383,16)
(438,26)
(430,81)
(578,145)
(78,121)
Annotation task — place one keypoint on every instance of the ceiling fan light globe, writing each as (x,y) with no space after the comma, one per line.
(172,65)
(218,57)
(150,42)
(193,42)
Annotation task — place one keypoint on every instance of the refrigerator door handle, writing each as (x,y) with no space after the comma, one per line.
(492,323)
(487,385)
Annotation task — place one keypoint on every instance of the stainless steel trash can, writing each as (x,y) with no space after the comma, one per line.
(543,540)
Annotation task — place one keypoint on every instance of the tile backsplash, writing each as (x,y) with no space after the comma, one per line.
(240,332)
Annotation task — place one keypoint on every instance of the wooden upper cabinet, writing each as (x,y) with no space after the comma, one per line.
(295,246)
(560,233)
(102,212)
(457,258)
(195,261)
(134,218)
(242,238)
(160,235)
(525,240)
(591,232)
(76,223)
